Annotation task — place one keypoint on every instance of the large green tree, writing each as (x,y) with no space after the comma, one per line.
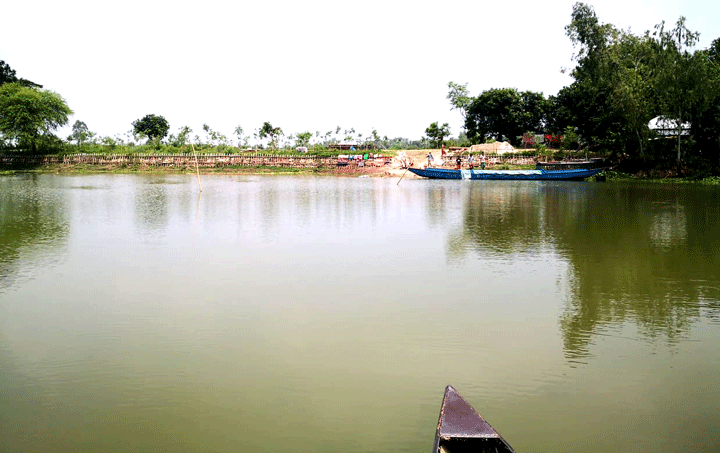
(679,81)
(631,66)
(505,114)
(535,110)
(154,127)
(495,113)
(28,116)
(587,102)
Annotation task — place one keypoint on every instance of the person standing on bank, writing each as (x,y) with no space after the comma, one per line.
(458,161)
(482,161)
(471,159)
(430,159)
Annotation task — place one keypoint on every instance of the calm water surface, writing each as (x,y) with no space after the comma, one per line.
(326,314)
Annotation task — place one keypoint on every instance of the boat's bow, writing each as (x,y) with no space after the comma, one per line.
(461,429)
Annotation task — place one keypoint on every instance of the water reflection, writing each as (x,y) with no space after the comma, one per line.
(271,308)
(501,219)
(654,257)
(33,226)
(636,253)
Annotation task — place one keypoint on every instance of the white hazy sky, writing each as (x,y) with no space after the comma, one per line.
(302,65)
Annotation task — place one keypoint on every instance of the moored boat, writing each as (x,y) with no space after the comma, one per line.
(541,173)
(461,429)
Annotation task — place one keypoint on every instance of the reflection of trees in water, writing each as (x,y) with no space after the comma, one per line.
(651,255)
(643,253)
(32,223)
(500,218)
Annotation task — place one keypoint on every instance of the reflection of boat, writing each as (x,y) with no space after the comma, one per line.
(543,172)
(461,429)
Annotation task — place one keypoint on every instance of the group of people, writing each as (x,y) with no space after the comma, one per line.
(458,160)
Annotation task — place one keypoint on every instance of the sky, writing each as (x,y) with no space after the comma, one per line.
(309,65)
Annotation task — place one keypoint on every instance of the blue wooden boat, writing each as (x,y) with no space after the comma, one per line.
(543,172)
(460,429)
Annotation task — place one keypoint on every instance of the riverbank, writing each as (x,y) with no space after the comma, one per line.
(205,164)
(354,171)
(390,166)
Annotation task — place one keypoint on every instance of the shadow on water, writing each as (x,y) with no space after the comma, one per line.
(636,253)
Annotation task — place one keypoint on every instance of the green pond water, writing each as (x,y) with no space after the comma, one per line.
(291,314)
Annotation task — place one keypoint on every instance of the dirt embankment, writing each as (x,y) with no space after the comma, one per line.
(235,164)
(415,158)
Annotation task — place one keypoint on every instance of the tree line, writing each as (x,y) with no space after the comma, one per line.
(155,131)
(622,81)
(30,115)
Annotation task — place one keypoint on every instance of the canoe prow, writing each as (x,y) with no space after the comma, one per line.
(460,429)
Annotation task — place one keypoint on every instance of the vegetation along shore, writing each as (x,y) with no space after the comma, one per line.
(648,104)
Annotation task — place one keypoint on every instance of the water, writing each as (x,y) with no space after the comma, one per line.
(327,314)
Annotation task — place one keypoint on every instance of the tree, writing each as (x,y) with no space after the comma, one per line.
(632,68)
(586,103)
(29,115)
(154,127)
(676,80)
(460,98)
(182,137)
(7,75)
(214,138)
(437,133)
(267,130)
(242,139)
(495,113)
(80,132)
(534,113)
(303,138)
(706,116)
(622,81)
(506,114)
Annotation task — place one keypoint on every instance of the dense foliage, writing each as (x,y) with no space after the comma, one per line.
(505,114)
(28,116)
(622,83)
(154,127)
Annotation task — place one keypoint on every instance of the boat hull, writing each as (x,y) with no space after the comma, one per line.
(509,175)
(460,429)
